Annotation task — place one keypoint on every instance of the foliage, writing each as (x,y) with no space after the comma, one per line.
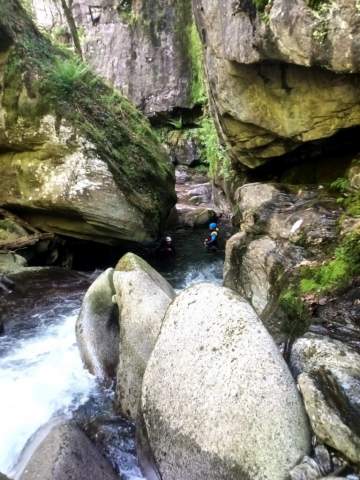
(335,273)
(67,76)
(260,4)
(212,151)
(349,198)
(195,52)
(341,184)
(317,4)
(297,313)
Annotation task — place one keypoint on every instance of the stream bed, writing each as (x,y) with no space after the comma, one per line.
(41,374)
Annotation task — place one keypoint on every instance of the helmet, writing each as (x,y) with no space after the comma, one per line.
(168,239)
(212,226)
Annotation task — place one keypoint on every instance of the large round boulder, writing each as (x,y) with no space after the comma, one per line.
(218,400)
(143,297)
(66,453)
(97,328)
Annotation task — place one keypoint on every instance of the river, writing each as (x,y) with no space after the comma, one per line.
(41,374)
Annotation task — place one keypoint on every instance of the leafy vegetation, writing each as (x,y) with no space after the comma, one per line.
(212,150)
(297,313)
(349,198)
(317,4)
(260,4)
(334,274)
(198,92)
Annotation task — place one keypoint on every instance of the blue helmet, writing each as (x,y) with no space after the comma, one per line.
(212,226)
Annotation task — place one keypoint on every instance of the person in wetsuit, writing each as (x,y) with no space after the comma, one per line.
(212,241)
(166,247)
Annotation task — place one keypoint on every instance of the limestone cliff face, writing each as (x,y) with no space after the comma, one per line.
(75,158)
(146,49)
(266,98)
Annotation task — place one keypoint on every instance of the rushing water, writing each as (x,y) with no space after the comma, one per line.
(41,375)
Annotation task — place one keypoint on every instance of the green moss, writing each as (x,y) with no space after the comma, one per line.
(260,4)
(348,198)
(336,272)
(198,93)
(212,151)
(297,317)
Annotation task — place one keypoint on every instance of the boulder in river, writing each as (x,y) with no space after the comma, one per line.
(97,327)
(66,453)
(143,297)
(218,399)
(329,378)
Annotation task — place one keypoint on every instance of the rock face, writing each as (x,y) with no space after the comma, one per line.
(97,174)
(146,49)
(67,453)
(266,98)
(280,228)
(11,262)
(329,378)
(97,328)
(143,297)
(218,400)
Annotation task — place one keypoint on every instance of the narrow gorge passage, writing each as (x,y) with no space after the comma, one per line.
(41,375)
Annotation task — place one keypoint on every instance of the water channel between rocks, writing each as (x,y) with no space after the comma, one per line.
(41,375)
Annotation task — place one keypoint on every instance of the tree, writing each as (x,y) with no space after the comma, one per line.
(67,8)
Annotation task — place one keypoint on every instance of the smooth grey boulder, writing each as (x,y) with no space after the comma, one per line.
(143,297)
(97,328)
(329,379)
(66,453)
(218,399)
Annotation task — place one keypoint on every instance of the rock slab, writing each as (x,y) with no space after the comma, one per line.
(143,297)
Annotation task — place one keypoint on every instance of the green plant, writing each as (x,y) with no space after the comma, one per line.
(177,123)
(297,313)
(260,4)
(336,272)
(212,151)
(341,184)
(67,76)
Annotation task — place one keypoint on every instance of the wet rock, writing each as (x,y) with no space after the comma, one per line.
(280,228)
(11,262)
(326,422)
(329,378)
(218,399)
(97,328)
(184,150)
(354,173)
(313,468)
(143,297)
(194,217)
(254,60)
(67,453)
(339,317)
